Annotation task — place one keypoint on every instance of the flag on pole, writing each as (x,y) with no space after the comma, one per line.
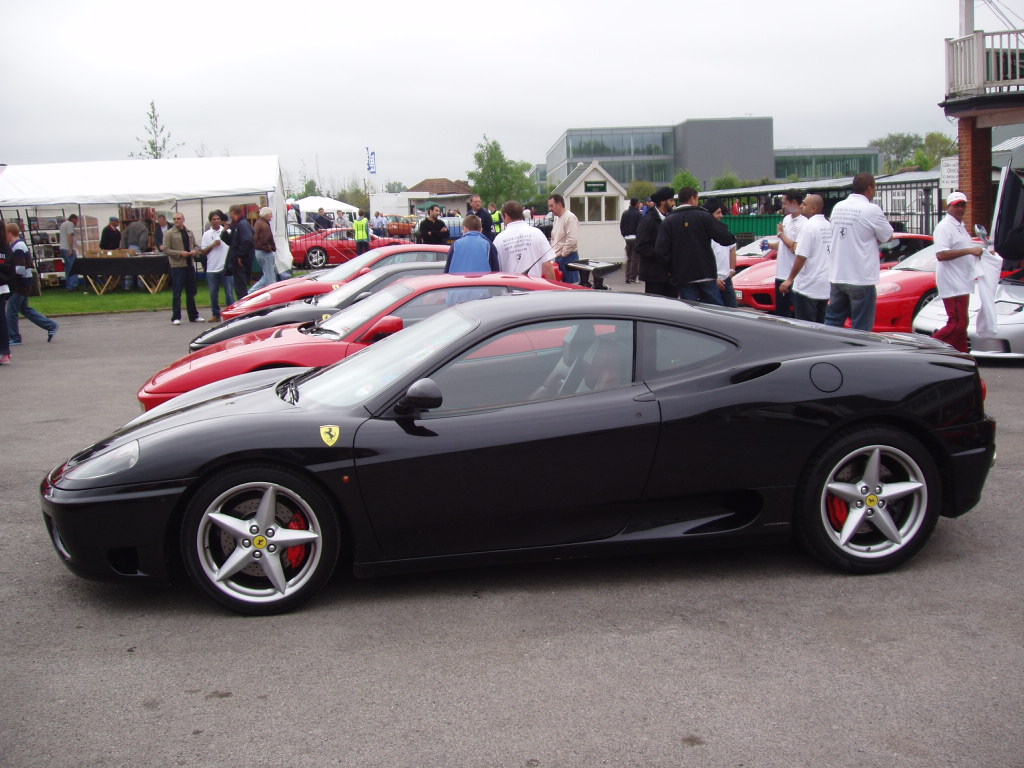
(371,161)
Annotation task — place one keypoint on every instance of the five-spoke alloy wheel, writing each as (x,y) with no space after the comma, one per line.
(870,500)
(259,540)
(317,258)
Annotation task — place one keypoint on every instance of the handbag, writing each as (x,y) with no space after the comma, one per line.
(36,288)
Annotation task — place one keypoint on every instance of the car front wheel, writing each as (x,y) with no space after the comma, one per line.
(870,500)
(316,258)
(259,540)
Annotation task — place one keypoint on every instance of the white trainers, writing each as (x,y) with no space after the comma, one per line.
(175,322)
(199,319)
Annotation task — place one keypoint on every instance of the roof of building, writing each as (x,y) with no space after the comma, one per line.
(442,187)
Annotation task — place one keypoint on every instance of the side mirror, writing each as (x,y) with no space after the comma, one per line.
(361,296)
(363,271)
(384,327)
(981,232)
(422,395)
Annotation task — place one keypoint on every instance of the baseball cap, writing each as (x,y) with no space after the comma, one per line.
(956,197)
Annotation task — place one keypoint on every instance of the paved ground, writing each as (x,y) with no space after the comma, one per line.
(754,658)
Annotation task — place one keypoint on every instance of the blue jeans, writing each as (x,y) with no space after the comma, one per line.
(568,275)
(728,294)
(268,264)
(183,277)
(806,308)
(215,280)
(70,281)
(705,291)
(16,303)
(856,302)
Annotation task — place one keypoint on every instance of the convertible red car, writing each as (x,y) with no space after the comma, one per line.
(325,281)
(331,246)
(314,344)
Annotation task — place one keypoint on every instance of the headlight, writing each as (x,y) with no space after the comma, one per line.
(109,463)
(887,288)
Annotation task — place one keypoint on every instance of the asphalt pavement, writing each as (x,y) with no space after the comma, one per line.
(747,657)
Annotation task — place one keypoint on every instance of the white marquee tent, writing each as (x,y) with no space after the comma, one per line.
(309,205)
(193,185)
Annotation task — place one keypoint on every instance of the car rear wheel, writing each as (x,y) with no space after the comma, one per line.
(259,540)
(869,501)
(316,258)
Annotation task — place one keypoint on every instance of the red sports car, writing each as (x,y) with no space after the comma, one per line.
(331,246)
(326,281)
(345,333)
(755,286)
(902,290)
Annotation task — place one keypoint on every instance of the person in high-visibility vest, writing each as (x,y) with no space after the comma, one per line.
(362,228)
(495,217)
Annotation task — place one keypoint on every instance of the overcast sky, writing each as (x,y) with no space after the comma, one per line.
(316,83)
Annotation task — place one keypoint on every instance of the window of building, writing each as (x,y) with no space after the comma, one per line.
(594,208)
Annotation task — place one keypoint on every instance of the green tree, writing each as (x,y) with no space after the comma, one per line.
(729,180)
(686,179)
(641,190)
(938,145)
(157,143)
(394,187)
(898,149)
(496,178)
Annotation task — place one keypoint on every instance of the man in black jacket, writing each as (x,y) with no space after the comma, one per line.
(684,248)
(242,251)
(653,272)
(627,228)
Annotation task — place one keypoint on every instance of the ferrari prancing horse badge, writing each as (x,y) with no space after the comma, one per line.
(330,433)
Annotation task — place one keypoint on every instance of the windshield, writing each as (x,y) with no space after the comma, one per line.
(349,268)
(343,293)
(368,309)
(368,372)
(922,261)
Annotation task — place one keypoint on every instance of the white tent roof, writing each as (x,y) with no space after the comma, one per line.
(137,181)
(315,203)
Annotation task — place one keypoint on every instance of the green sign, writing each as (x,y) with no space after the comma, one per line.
(595,186)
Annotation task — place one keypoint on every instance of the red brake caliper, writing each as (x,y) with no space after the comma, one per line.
(297,555)
(838,511)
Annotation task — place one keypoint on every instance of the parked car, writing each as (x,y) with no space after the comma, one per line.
(321,343)
(295,229)
(327,280)
(314,308)
(317,250)
(402,226)
(435,448)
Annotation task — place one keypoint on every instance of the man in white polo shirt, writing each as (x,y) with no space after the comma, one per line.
(959,258)
(523,249)
(789,235)
(808,280)
(858,228)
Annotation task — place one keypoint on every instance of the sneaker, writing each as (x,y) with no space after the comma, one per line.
(175,322)
(5,359)
(51,334)
(199,319)
(15,343)
(215,318)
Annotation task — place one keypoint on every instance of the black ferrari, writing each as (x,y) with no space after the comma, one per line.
(535,426)
(315,308)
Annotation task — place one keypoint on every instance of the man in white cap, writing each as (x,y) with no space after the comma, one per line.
(858,228)
(959,258)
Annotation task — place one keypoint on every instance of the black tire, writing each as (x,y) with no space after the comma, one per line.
(249,511)
(927,299)
(864,517)
(317,258)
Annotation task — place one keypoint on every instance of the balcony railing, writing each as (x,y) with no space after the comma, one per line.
(985,63)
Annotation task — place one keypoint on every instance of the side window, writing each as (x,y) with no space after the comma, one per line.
(669,350)
(541,361)
(432,302)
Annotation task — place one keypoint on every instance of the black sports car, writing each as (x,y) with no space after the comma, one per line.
(448,443)
(315,308)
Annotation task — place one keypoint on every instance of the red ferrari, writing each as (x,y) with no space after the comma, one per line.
(331,246)
(902,290)
(316,344)
(755,286)
(298,288)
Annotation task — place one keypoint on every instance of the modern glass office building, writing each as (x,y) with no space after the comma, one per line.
(831,163)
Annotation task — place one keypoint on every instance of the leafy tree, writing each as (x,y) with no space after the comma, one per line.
(310,189)
(496,178)
(938,145)
(729,180)
(686,179)
(158,141)
(641,190)
(898,149)
(395,186)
